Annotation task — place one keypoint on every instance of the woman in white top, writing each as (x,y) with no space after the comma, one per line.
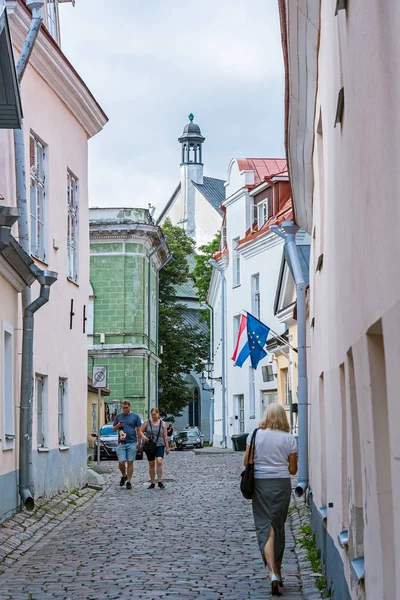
(275,460)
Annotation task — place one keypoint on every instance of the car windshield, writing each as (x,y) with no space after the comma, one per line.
(186,434)
(107,430)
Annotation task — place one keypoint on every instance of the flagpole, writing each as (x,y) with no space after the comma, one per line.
(276,334)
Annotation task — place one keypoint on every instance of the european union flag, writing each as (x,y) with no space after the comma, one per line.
(257,334)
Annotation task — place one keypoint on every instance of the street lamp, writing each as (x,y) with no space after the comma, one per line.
(218,267)
(209,366)
(202,379)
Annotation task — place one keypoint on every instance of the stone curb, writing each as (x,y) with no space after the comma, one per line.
(25,529)
(300,516)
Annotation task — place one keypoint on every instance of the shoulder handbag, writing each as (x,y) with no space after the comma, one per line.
(150,447)
(247,476)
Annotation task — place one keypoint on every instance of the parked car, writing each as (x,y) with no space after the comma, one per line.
(109,443)
(189,438)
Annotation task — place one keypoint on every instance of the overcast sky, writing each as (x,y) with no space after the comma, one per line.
(149,63)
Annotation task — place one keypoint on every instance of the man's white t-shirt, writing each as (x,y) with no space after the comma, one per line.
(272,449)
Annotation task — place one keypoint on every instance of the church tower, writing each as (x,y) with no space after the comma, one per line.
(191,171)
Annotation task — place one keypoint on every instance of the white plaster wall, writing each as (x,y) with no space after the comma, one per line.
(208,220)
(177,211)
(263,258)
(356,219)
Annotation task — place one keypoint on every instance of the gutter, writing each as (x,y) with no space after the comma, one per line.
(287,231)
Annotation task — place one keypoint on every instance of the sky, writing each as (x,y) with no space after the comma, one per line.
(150,63)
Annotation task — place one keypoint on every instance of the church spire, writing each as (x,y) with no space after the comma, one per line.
(191,141)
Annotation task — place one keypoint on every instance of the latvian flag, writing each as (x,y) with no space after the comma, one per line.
(242,349)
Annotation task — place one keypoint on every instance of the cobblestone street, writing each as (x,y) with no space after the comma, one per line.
(195,539)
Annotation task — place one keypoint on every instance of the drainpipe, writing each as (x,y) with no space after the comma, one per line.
(34,28)
(217,266)
(287,231)
(46,279)
(19,145)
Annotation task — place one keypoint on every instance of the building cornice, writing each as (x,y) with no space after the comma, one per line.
(285,316)
(51,64)
(260,244)
(121,350)
(236,196)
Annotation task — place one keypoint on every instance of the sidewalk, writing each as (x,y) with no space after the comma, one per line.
(100,545)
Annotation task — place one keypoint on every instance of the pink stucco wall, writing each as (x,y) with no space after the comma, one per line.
(355,298)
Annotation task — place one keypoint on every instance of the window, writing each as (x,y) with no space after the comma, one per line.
(236,325)
(236,263)
(241,413)
(262,213)
(286,388)
(8,386)
(52,18)
(255,288)
(72,227)
(62,408)
(264,206)
(40,389)
(37,152)
(268,398)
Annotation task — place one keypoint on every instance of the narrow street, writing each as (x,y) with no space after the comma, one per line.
(195,539)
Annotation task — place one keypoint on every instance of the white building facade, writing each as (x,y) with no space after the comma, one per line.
(257,196)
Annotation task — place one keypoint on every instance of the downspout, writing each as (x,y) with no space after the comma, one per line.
(287,231)
(19,144)
(46,279)
(26,410)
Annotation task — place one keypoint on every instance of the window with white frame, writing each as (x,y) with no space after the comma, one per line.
(269,397)
(72,227)
(62,412)
(241,413)
(8,386)
(236,263)
(263,215)
(255,290)
(236,326)
(41,408)
(52,22)
(286,387)
(38,206)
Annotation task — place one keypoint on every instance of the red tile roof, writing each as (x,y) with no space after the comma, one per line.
(263,167)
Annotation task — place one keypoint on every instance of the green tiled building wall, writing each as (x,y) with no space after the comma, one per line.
(119,274)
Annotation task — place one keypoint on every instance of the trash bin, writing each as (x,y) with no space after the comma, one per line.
(239,441)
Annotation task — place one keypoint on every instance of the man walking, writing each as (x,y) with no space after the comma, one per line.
(128,425)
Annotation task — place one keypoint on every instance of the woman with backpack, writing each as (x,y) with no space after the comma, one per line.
(156,444)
